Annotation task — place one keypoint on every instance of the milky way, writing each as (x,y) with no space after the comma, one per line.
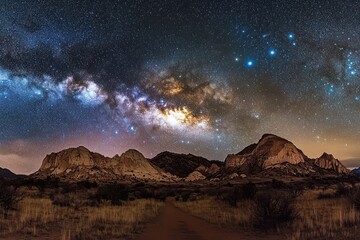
(201,77)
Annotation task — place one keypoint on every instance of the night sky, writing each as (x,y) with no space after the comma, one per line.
(200,77)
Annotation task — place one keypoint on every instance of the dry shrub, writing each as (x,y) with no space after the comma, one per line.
(9,198)
(116,193)
(274,209)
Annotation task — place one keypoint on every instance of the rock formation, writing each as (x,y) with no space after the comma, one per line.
(327,161)
(81,164)
(273,154)
(182,165)
(7,174)
(195,176)
(270,152)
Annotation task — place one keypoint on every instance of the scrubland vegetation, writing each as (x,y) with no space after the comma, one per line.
(326,213)
(106,214)
(118,211)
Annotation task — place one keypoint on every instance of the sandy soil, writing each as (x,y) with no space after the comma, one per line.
(174,224)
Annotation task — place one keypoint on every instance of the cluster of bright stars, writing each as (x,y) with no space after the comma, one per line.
(272,52)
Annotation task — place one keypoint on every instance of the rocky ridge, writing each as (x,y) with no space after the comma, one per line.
(182,165)
(81,164)
(7,174)
(278,155)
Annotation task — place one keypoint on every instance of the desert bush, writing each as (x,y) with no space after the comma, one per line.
(249,190)
(87,185)
(243,192)
(160,194)
(9,198)
(143,193)
(185,196)
(326,195)
(68,200)
(277,184)
(342,190)
(116,193)
(296,190)
(274,209)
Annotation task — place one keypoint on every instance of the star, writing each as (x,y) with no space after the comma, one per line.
(291,36)
(250,63)
(272,52)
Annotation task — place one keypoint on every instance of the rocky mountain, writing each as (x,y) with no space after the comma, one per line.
(327,161)
(273,154)
(7,174)
(79,163)
(182,165)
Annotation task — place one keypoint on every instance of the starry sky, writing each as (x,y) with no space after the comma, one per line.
(202,77)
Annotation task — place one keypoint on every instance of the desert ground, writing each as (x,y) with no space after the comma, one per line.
(272,209)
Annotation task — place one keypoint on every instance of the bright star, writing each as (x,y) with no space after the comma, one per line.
(250,63)
(291,36)
(272,52)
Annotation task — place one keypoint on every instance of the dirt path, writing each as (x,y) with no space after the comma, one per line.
(174,224)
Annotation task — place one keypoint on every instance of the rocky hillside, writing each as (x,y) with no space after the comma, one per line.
(7,174)
(76,164)
(327,161)
(182,165)
(273,154)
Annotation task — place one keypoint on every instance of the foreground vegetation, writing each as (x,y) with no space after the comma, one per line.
(116,211)
(37,217)
(314,214)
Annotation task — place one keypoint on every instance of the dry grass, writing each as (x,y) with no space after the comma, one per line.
(219,212)
(333,218)
(37,217)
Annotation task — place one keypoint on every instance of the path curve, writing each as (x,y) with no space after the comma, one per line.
(174,224)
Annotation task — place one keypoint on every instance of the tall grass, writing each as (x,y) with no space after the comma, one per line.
(40,216)
(329,218)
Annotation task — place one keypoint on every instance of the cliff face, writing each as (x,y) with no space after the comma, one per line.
(58,163)
(75,164)
(273,153)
